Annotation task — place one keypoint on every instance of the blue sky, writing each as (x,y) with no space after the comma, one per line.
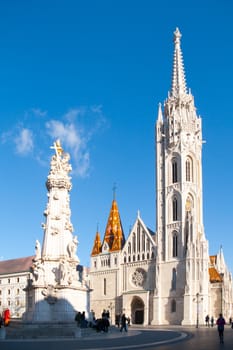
(93,74)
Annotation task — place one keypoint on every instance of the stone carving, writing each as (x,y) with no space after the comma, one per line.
(50,294)
(72,247)
(38,272)
(37,250)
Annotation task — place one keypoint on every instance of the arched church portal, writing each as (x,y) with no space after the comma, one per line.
(137,310)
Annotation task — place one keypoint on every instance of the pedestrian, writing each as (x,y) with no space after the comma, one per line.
(78,318)
(123,323)
(212,321)
(207,319)
(6,317)
(220,323)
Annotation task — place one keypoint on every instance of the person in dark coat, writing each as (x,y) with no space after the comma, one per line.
(123,323)
(221,323)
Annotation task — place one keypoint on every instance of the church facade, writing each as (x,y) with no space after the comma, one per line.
(167,276)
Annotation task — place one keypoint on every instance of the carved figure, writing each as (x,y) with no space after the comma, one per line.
(72,247)
(37,250)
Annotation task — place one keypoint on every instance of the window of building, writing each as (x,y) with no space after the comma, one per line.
(105,287)
(174,171)
(115,260)
(143,241)
(174,245)
(129,248)
(95,264)
(138,239)
(173,279)
(9,303)
(174,209)
(18,291)
(9,291)
(9,280)
(173,306)
(17,279)
(188,169)
(134,243)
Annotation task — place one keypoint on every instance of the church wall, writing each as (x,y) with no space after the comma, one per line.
(104,294)
(215,299)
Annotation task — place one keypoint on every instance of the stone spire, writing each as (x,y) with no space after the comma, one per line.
(57,285)
(58,239)
(114,235)
(178,87)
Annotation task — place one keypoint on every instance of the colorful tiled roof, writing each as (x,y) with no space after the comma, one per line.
(214,275)
(114,234)
(97,245)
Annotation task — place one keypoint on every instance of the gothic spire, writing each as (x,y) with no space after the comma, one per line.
(97,244)
(178,87)
(114,234)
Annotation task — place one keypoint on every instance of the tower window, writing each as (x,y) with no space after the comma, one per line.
(174,209)
(174,245)
(174,171)
(188,169)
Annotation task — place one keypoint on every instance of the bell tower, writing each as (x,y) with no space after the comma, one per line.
(182,247)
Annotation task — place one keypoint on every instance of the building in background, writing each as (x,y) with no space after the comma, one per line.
(14,277)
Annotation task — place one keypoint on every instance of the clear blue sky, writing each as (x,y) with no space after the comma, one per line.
(93,73)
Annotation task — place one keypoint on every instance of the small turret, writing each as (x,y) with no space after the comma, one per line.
(97,245)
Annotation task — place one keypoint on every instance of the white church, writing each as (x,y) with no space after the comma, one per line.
(158,278)
(166,277)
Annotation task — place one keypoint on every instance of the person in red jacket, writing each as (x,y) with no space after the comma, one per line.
(221,323)
(6,317)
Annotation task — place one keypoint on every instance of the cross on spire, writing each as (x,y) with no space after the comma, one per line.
(114,191)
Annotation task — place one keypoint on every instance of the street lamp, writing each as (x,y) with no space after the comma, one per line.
(197,300)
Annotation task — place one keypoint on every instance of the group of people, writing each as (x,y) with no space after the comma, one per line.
(209,321)
(102,324)
(5,318)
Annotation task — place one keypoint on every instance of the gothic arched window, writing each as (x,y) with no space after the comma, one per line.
(134,243)
(174,245)
(189,169)
(174,209)
(174,171)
